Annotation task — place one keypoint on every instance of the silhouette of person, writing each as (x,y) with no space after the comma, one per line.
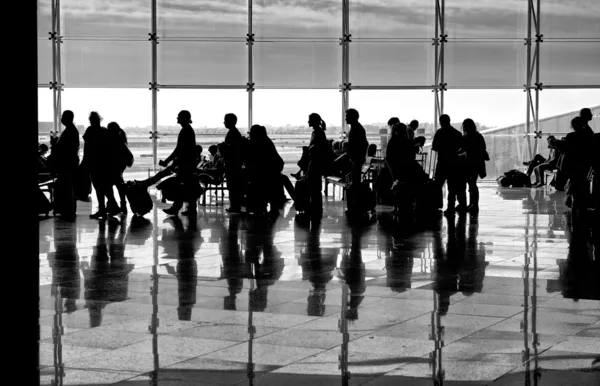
(64,263)
(357,144)
(476,153)
(185,157)
(183,243)
(118,161)
(96,158)
(320,154)
(447,142)
(63,162)
(107,276)
(232,152)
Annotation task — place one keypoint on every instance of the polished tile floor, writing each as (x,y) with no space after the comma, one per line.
(508,297)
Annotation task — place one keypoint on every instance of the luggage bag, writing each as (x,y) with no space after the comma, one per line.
(139,198)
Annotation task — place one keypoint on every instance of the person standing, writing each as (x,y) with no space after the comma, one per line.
(96,159)
(120,152)
(357,145)
(233,163)
(185,157)
(476,153)
(319,157)
(447,142)
(63,162)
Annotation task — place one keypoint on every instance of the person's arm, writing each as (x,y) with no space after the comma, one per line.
(175,152)
(435,144)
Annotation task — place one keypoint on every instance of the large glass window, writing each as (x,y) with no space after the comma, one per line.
(130,108)
(487,64)
(44,49)
(392,19)
(208,108)
(297,19)
(44,18)
(202,18)
(486,19)
(202,63)
(558,107)
(123,18)
(285,115)
(563,19)
(500,116)
(570,63)
(391,64)
(45,114)
(106,64)
(297,64)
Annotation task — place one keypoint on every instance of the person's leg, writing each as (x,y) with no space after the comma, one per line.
(316,197)
(473,194)
(537,159)
(98,185)
(461,193)
(287,184)
(541,171)
(537,173)
(109,193)
(122,189)
(452,190)
(234,188)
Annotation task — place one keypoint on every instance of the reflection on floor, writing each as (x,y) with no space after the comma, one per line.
(510,296)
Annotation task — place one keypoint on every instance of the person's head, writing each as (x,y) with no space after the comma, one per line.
(586,115)
(414,124)
(315,121)
(113,126)
(95,118)
(184,118)
(257,132)
(576,123)
(550,138)
(392,121)
(469,126)
(371,150)
(212,149)
(230,120)
(444,120)
(351,116)
(199,150)
(67,117)
(42,148)
(410,132)
(220,148)
(399,130)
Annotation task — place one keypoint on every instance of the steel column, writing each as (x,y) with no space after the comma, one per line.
(250,43)
(154,89)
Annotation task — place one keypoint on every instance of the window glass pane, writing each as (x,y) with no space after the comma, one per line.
(561,19)
(486,18)
(45,115)
(297,64)
(392,19)
(202,18)
(570,63)
(106,64)
(44,18)
(208,108)
(558,107)
(285,115)
(489,64)
(124,18)
(391,64)
(201,63)
(130,108)
(44,49)
(297,19)
(500,115)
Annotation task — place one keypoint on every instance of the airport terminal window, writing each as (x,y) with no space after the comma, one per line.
(561,101)
(485,64)
(392,19)
(563,20)
(391,64)
(45,114)
(297,64)
(202,18)
(106,64)
(570,63)
(44,61)
(377,106)
(105,18)
(44,18)
(486,19)
(202,63)
(297,19)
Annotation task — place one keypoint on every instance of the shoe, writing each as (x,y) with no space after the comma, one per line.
(296,175)
(526,163)
(473,209)
(234,210)
(539,185)
(188,212)
(98,215)
(171,211)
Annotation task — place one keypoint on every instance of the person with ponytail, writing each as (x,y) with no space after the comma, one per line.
(320,155)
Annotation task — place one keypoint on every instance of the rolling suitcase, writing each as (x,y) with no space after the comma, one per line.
(431,199)
(139,198)
(301,196)
(361,199)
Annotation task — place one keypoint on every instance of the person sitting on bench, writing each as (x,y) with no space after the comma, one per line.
(549,164)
